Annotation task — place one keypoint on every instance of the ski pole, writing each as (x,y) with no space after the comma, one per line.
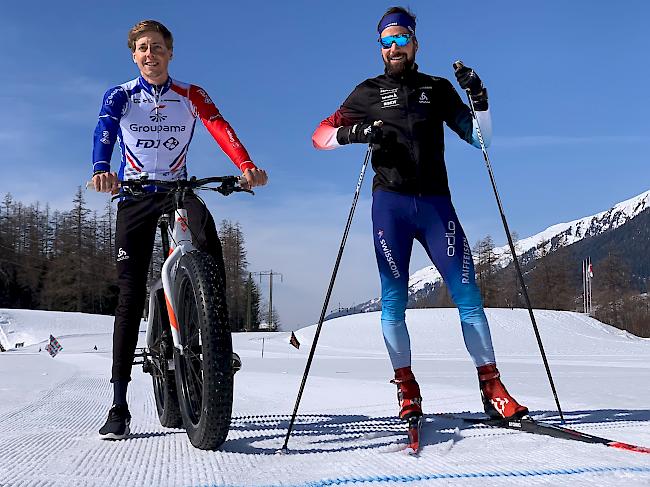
(327,296)
(457,66)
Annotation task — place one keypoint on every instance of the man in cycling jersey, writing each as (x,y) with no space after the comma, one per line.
(411,198)
(152,118)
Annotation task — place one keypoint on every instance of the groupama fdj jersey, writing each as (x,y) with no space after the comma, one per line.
(154,127)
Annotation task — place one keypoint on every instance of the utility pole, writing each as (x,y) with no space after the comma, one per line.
(270,273)
(248,302)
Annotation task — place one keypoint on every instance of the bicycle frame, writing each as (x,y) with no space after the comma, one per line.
(182,237)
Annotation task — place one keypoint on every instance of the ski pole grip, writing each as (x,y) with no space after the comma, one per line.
(457,65)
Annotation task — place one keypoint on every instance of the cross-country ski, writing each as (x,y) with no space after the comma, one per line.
(530,425)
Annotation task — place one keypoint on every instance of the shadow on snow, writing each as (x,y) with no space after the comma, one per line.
(322,433)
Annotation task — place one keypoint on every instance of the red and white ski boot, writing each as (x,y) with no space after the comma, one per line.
(410,403)
(497,402)
(408,394)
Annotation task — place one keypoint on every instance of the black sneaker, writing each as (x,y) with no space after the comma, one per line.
(117,424)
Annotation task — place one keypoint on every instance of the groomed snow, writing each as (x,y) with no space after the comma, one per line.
(50,409)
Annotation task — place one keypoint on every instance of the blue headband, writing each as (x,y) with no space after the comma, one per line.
(398,18)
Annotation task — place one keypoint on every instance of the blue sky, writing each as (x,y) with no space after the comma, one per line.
(567,84)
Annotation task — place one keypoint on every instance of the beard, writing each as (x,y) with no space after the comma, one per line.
(398,68)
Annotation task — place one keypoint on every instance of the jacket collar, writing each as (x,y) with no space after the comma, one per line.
(155,89)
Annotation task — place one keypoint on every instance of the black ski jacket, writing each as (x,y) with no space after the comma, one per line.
(410,157)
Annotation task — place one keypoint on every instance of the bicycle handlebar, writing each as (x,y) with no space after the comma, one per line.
(229,184)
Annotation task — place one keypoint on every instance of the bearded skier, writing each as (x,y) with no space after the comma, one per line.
(412,201)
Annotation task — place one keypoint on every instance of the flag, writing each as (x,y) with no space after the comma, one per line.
(591,270)
(54,347)
(294,341)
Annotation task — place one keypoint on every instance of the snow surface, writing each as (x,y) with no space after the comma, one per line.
(346,433)
(559,235)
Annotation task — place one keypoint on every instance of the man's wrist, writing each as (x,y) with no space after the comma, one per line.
(343,135)
(480,100)
(101,166)
(247,165)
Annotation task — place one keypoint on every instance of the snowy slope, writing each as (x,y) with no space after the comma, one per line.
(31,327)
(554,237)
(50,409)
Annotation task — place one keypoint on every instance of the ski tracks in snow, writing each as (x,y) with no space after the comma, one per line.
(53,441)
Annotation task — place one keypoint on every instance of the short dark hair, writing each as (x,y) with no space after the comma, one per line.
(396,10)
(150,26)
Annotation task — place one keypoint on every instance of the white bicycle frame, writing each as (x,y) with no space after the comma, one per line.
(182,238)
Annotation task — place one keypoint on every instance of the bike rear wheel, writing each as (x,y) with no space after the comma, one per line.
(164,380)
(204,372)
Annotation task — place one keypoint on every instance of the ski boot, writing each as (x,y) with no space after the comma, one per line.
(497,402)
(408,394)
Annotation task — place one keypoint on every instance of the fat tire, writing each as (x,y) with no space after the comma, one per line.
(198,283)
(164,380)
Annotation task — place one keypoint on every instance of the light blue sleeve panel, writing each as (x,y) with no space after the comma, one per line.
(485,123)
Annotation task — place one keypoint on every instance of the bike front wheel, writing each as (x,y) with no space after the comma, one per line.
(204,372)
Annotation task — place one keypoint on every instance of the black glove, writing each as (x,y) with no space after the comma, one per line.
(360,133)
(469,80)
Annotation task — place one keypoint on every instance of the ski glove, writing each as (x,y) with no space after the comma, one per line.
(469,80)
(360,133)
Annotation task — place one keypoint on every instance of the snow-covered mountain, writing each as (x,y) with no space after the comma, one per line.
(554,237)
(542,243)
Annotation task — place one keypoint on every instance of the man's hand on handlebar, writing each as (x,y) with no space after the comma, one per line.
(254,177)
(106,182)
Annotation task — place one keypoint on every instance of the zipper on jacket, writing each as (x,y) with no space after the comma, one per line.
(410,132)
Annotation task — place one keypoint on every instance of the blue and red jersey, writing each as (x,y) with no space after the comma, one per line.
(154,125)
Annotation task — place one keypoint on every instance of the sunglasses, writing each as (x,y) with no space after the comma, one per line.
(400,40)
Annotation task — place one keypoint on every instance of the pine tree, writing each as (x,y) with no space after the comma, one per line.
(486,268)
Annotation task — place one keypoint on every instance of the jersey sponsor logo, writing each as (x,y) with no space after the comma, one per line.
(389,98)
(148,143)
(155,115)
(171,143)
(423,98)
(109,98)
(205,96)
(106,137)
(388,254)
(232,139)
(122,255)
(134,127)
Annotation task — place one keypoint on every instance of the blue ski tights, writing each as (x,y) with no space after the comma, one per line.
(398,219)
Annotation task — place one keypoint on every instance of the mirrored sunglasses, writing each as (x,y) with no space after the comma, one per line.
(400,40)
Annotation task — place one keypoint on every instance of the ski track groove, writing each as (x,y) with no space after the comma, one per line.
(59,429)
